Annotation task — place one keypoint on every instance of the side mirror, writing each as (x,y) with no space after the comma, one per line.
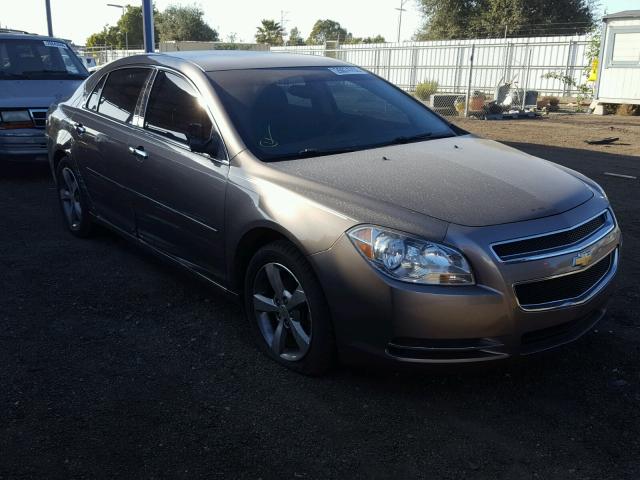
(202,143)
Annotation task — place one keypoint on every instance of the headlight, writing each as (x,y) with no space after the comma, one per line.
(15,119)
(411,259)
(10,116)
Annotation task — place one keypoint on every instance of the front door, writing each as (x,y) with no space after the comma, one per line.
(180,194)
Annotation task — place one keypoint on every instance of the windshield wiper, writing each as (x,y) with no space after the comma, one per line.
(11,75)
(419,137)
(309,152)
(52,73)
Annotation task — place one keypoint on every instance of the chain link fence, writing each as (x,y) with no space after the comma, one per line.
(105,54)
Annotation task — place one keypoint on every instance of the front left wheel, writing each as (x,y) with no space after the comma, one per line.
(287,311)
(73,200)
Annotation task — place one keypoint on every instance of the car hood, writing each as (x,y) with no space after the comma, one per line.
(35,93)
(464,180)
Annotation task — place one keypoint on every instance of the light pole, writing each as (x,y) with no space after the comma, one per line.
(400,10)
(47,5)
(126,33)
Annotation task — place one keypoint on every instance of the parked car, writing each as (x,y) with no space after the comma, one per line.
(89,63)
(350,219)
(35,71)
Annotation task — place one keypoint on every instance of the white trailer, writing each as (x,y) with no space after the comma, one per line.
(619,63)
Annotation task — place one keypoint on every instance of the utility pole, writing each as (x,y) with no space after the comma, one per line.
(400,10)
(47,4)
(147,18)
(283,19)
(126,33)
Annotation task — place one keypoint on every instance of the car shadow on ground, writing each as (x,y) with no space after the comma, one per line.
(113,364)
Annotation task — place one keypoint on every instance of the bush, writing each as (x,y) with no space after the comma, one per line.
(628,110)
(424,90)
(548,103)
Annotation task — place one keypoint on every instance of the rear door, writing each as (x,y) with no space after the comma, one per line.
(103,128)
(180,194)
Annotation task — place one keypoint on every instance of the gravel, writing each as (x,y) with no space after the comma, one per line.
(114,365)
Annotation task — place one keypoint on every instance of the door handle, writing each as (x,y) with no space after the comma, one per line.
(79,128)
(138,152)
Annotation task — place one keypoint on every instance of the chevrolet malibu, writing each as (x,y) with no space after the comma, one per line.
(350,220)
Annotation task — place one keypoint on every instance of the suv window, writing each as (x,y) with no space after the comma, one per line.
(92,103)
(174,110)
(120,93)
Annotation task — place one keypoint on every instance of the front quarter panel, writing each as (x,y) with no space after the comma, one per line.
(59,136)
(253,202)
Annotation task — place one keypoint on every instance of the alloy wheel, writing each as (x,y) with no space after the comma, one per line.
(70,197)
(282,312)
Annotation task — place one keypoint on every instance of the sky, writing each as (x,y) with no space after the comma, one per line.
(77,19)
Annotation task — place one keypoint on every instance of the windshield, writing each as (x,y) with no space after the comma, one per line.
(38,60)
(286,113)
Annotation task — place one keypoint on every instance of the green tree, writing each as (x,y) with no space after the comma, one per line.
(446,19)
(270,32)
(185,23)
(131,23)
(376,39)
(109,36)
(327,30)
(453,19)
(295,38)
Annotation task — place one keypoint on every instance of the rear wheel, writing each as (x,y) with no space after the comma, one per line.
(287,311)
(73,200)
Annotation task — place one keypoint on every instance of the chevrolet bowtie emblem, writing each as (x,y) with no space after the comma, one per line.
(583,259)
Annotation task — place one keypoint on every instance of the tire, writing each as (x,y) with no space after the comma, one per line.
(280,322)
(73,200)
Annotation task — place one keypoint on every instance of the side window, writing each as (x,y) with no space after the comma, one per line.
(174,110)
(120,93)
(92,103)
(354,99)
(625,50)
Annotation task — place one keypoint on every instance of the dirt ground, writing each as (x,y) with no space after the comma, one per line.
(567,131)
(114,365)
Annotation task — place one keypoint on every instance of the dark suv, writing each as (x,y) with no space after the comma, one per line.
(35,72)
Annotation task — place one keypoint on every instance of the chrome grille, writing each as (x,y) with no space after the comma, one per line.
(39,116)
(518,249)
(565,288)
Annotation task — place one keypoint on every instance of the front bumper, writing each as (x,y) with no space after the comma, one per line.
(23,145)
(403,322)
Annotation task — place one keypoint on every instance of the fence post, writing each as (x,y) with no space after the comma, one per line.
(458,71)
(526,78)
(565,85)
(508,60)
(468,97)
(413,79)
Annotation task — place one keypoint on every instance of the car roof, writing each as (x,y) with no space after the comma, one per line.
(29,36)
(215,60)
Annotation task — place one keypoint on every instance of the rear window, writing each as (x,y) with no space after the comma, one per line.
(120,93)
(39,60)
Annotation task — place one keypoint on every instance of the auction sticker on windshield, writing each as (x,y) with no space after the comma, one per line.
(49,43)
(347,71)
